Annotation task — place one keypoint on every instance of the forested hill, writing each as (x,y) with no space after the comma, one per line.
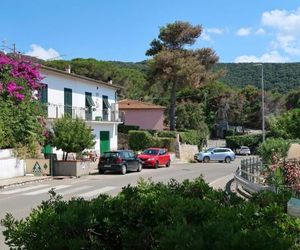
(279,77)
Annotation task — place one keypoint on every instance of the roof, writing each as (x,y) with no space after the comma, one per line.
(80,77)
(134,104)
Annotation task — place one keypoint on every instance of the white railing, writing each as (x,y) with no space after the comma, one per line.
(55,111)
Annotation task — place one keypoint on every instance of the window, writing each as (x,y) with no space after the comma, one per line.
(131,154)
(44,93)
(106,104)
(125,155)
(68,101)
(89,100)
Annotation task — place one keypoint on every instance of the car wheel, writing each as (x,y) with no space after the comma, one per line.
(206,159)
(123,169)
(227,159)
(168,164)
(101,171)
(156,165)
(139,169)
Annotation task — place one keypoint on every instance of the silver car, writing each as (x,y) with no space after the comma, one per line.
(243,150)
(215,154)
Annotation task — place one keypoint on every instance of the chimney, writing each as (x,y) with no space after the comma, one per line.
(68,69)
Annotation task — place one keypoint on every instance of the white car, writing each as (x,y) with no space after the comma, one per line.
(243,150)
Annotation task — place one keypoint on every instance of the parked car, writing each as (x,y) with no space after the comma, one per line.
(243,150)
(155,157)
(215,154)
(119,161)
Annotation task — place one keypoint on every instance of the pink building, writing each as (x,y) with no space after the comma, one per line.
(145,115)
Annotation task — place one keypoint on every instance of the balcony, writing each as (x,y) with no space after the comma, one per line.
(55,111)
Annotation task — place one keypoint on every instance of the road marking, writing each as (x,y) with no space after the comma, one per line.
(45,190)
(19,190)
(221,179)
(73,190)
(97,191)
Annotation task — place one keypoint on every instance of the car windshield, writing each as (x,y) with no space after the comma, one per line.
(110,154)
(150,152)
(208,150)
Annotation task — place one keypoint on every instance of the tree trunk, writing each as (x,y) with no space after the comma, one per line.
(172,111)
(66,156)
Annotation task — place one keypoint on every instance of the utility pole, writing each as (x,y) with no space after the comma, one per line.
(262,101)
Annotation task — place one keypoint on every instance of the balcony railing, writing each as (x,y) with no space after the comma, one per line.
(89,114)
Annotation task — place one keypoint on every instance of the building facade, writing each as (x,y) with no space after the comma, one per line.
(142,114)
(94,101)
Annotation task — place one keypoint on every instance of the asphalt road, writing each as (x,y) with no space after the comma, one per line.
(20,200)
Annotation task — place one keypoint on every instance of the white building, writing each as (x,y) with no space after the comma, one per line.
(92,100)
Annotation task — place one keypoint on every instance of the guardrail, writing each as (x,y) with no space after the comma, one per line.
(248,176)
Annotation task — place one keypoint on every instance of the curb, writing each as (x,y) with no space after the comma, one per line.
(20,183)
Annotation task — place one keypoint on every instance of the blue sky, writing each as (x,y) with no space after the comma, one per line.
(121,30)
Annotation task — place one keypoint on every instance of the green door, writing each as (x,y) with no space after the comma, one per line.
(104,141)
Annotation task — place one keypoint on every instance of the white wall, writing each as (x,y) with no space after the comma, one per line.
(113,134)
(10,166)
(57,82)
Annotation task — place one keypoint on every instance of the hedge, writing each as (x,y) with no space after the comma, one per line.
(171,134)
(164,142)
(252,141)
(126,128)
(187,215)
(194,137)
(139,140)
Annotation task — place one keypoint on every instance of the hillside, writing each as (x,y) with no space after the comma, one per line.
(278,77)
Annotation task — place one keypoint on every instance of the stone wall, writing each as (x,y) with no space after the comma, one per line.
(187,151)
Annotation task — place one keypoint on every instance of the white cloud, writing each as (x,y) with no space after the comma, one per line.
(205,36)
(243,32)
(272,56)
(260,31)
(287,27)
(216,31)
(41,53)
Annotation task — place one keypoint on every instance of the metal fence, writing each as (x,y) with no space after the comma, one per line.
(249,175)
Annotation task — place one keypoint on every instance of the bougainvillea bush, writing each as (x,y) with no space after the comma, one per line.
(22,124)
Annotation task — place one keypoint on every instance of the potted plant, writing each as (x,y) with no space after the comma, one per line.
(71,136)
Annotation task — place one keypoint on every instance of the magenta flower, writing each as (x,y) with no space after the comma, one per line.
(19,96)
(11,87)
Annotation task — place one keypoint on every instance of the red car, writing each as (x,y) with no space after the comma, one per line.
(155,157)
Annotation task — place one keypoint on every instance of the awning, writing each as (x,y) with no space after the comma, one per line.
(106,104)
(89,101)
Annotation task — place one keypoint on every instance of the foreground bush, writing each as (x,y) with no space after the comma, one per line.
(188,215)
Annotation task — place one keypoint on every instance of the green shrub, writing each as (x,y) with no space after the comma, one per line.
(164,142)
(194,137)
(252,141)
(187,215)
(152,132)
(273,149)
(171,134)
(72,135)
(126,128)
(139,140)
